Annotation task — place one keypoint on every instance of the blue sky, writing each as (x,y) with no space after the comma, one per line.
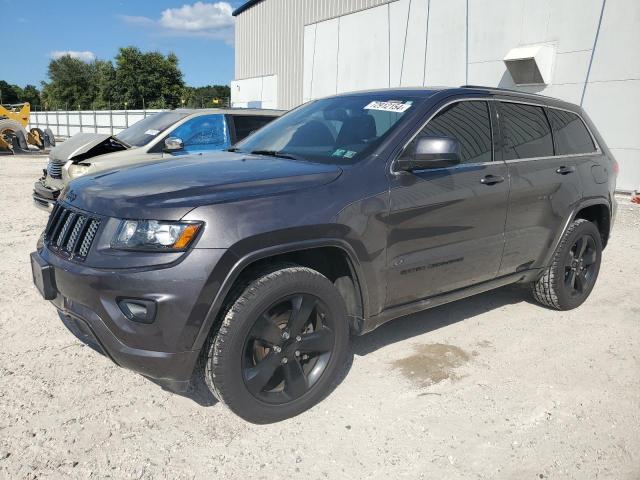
(199,33)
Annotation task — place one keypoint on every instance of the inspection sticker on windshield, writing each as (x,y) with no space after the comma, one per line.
(389,106)
(152,132)
(344,153)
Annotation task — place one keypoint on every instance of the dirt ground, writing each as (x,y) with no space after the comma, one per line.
(489,387)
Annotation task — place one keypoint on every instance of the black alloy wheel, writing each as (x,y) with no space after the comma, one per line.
(580,265)
(281,345)
(288,349)
(574,268)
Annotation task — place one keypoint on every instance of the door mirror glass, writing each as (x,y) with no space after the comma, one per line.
(173,144)
(430,152)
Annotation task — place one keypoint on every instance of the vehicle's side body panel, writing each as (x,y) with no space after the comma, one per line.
(597,172)
(446,231)
(358,228)
(541,199)
(445,226)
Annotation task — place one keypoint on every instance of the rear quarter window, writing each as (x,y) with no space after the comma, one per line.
(571,134)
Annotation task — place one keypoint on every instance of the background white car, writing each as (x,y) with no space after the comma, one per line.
(171,133)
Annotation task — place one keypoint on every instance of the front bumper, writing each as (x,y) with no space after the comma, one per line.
(87,300)
(44,197)
(172,370)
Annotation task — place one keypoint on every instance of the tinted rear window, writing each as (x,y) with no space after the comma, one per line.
(247,124)
(526,131)
(570,133)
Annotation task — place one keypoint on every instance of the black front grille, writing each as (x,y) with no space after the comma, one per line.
(70,232)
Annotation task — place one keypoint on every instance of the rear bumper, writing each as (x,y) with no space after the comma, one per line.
(87,300)
(44,197)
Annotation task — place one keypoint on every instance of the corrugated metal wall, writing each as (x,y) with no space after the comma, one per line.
(269,39)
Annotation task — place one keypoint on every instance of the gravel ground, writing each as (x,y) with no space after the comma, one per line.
(489,387)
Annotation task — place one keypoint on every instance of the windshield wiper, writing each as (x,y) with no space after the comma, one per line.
(274,153)
(232,149)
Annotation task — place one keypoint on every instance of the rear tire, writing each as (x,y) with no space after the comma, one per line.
(280,346)
(567,283)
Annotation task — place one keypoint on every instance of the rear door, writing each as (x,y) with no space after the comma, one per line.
(572,138)
(544,186)
(446,225)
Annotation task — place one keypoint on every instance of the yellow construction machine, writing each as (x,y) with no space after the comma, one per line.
(14,136)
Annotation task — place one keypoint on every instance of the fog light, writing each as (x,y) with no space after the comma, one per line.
(138,310)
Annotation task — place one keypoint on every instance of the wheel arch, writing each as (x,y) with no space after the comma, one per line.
(599,214)
(597,210)
(245,267)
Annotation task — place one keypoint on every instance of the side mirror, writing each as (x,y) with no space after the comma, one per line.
(430,152)
(173,144)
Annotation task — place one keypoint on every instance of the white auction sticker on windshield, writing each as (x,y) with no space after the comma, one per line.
(152,132)
(389,106)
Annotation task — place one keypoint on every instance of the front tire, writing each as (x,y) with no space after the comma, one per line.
(567,283)
(280,346)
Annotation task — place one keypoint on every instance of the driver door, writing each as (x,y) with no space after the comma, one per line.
(446,225)
(202,133)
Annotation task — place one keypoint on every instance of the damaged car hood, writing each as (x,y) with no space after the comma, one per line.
(168,189)
(86,145)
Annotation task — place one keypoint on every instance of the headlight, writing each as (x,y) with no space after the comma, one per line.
(155,235)
(75,170)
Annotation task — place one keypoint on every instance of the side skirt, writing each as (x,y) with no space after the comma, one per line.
(408,308)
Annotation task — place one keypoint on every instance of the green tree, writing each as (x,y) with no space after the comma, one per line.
(31,94)
(137,79)
(14,94)
(105,80)
(150,77)
(197,97)
(72,84)
(10,93)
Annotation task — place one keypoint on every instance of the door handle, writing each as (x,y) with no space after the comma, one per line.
(565,170)
(492,179)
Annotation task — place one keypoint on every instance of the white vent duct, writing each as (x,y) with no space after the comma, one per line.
(531,64)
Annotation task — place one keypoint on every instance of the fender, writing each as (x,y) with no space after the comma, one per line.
(587,202)
(234,261)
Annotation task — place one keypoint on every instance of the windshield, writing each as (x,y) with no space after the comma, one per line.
(142,132)
(339,130)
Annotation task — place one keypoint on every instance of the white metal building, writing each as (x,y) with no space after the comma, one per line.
(583,51)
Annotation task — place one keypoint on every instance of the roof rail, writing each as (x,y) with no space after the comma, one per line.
(500,89)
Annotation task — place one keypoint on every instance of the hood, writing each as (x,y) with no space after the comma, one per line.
(170,188)
(86,145)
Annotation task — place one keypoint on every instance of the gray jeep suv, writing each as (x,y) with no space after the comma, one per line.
(249,269)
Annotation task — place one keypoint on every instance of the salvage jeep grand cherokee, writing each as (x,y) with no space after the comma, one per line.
(249,269)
